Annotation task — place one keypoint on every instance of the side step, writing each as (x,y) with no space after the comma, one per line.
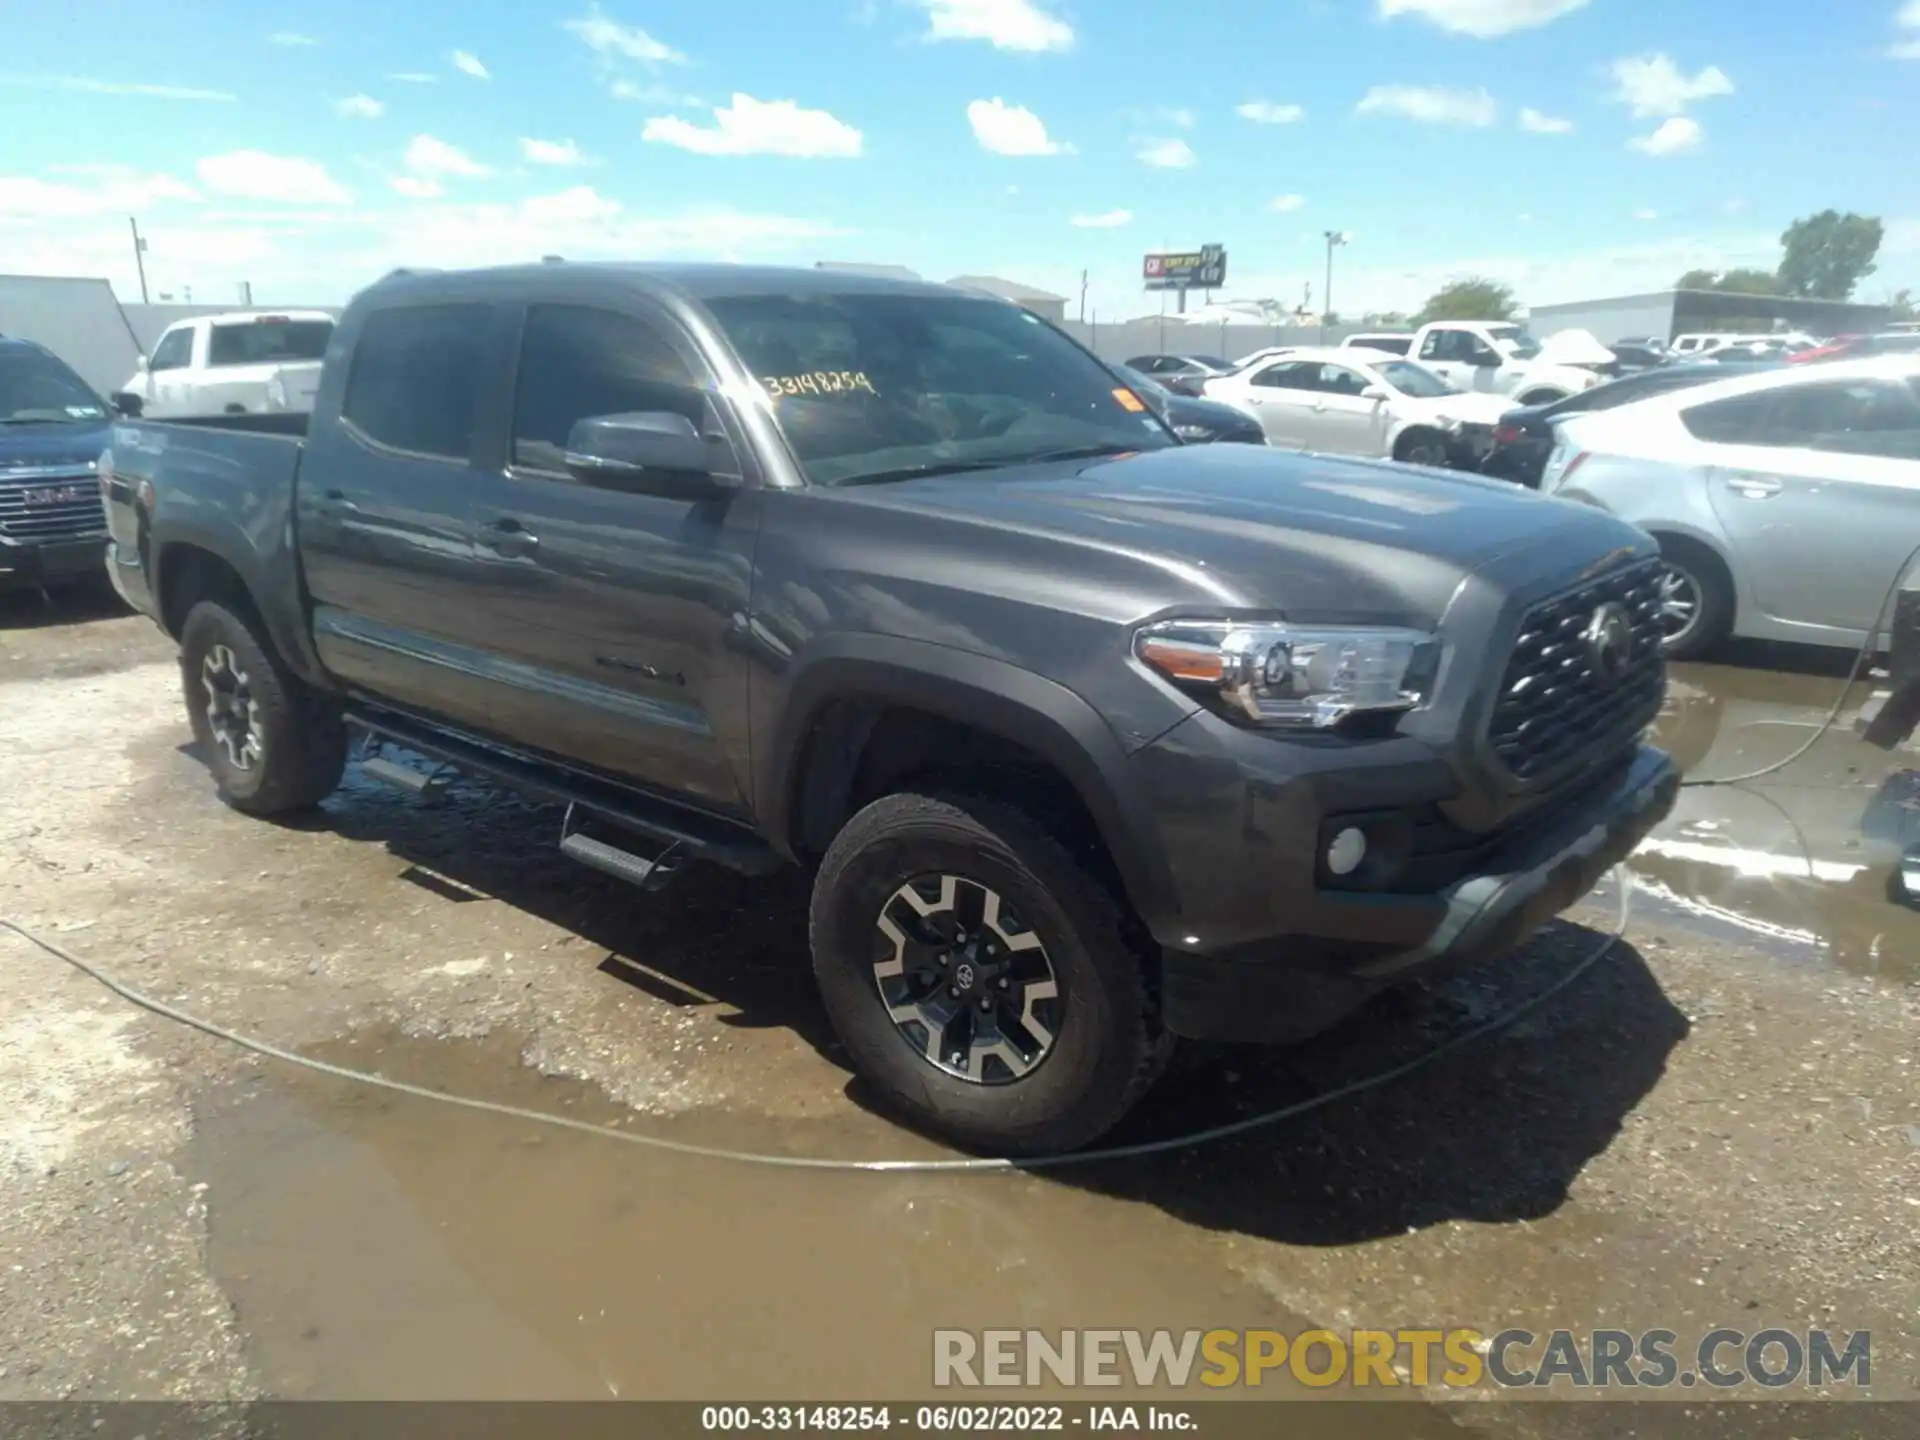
(683,833)
(426,787)
(654,874)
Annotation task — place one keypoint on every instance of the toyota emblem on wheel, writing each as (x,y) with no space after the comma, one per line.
(1610,642)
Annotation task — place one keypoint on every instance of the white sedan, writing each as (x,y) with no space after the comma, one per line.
(1345,402)
(1784,501)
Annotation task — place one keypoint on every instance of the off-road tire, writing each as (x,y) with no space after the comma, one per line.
(1109,1048)
(303,742)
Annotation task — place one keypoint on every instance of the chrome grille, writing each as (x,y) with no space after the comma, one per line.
(24,516)
(1554,704)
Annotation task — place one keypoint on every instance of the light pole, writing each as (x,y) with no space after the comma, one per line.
(1334,237)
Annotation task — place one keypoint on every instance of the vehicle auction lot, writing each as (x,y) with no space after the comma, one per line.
(1719,1125)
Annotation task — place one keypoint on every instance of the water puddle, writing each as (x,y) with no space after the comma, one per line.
(1800,863)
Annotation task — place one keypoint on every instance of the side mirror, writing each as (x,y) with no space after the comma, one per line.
(1374,392)
(650,452)
(126,403)
(141,364)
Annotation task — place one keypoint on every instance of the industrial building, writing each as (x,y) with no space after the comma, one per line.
(1667,313)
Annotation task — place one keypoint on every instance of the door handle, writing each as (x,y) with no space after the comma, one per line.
(334,505)
(506,537)
(1753,487)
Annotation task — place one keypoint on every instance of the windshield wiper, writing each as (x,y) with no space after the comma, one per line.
(1077,452)
(916,472)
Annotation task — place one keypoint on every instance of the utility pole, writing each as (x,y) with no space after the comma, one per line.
(1083,297)
(139,256)
(246,293)
(1334,237)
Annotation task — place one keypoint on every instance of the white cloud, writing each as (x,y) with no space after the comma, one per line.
(1646,215)
(1673,136)
(429,156)
(1011,129)
(551,152)
(1543,124)
(1431,105)
(359,107)
(1652,85)
(468,63)
(1483,19)
(1265,112)
(759,127)
(652,94)
(414,77)
(1286,204)
(89,86)
(114,191)
(290,39)
(1175,115)
(1166,154)
(1108,220)
(416,187)
(1907,18)
(1004,24)
(608,38)
(256,175)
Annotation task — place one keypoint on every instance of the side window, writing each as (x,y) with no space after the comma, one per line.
(1726,422)
(416,378)
(1290,375)
(175,350)
(1475,351)
(576,361)
(1430,348)
(1338,380)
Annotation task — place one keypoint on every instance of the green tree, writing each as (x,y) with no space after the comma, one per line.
(1471,298)
(1901,303)
(1828,254)
(1746,281)
(1698,280)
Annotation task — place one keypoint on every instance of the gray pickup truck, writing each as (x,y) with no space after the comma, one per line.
(1089,739)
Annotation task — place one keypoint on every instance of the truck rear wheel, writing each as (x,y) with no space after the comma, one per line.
(981,977)
(272,743)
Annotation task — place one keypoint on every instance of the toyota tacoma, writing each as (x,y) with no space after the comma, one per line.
(1088,739)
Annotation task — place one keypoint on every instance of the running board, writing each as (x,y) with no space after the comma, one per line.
(682,832)
(654,874)
(426,788)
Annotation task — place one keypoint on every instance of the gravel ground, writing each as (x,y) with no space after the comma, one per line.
(1694,1134)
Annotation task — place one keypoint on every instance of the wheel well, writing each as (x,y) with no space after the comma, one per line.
(859,750)
(1413,433)
(189,575)
(1540,397)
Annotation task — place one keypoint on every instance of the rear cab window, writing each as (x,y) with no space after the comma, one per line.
(267,340)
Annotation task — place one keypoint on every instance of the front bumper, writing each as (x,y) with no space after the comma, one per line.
(1329,951)
(51,562)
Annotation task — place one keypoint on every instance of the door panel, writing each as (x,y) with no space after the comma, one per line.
(385,521)
(610,613)
(1282,396)
(1343,423)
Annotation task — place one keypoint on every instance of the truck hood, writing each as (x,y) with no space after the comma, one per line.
(1239,527)
(33,446)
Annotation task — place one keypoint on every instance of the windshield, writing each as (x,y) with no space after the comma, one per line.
(887,386)
(35,388)
(1415,381)
(268,342)
(1514,341)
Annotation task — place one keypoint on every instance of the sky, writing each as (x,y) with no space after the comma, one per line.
(1570,148)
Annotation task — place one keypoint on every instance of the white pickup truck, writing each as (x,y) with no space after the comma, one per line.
(1498,357)
(238,364)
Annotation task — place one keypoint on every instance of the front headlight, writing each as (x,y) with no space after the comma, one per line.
(1301,677)
(1193,432)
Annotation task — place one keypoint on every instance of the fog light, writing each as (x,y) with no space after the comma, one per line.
(1346,852)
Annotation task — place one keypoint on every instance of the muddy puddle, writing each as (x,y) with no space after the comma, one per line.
(379,1245)
(1799,864)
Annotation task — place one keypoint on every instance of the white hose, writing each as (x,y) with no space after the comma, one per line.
(1374,1081)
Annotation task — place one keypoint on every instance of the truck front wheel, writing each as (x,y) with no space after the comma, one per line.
(983,979)
(272,744)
